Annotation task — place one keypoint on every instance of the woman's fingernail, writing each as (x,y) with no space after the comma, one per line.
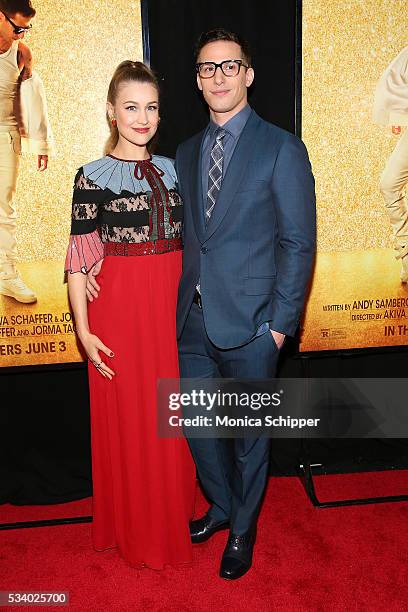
(112,354)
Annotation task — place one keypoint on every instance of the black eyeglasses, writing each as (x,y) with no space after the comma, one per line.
(229,68)
(17,29)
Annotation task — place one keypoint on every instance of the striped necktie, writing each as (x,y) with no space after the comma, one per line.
(215,173)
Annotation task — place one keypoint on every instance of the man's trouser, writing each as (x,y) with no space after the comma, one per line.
(394,180)
(10,151)
(234,485)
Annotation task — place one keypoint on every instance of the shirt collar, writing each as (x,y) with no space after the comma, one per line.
(233,126)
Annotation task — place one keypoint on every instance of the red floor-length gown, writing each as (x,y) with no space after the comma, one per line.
(143,485)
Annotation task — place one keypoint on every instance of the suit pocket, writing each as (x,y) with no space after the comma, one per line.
(11,141)
(16,143)
(259,286)
(272,339)
(252,186)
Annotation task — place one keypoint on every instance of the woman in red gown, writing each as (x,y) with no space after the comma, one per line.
(126,221)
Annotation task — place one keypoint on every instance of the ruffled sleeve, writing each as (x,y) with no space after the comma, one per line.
(84,251)
(85,247)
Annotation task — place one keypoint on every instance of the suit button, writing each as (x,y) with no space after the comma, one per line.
(204,250)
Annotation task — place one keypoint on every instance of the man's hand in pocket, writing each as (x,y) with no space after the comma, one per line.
(278,337)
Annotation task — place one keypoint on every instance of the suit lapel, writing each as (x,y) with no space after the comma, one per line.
(196,191)
(234,173)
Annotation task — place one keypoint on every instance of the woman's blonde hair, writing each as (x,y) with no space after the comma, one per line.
(125,72)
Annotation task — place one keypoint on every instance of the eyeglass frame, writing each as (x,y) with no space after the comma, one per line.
(16,28)
(240,63)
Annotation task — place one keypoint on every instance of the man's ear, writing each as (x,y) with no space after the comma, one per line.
(200,87)
(249,77)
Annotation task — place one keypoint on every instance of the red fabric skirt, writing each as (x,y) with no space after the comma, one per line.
(143,486)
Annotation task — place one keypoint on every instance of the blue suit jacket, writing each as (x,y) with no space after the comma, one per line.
(255,257)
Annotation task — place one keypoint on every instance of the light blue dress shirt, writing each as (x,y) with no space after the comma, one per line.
(233,129)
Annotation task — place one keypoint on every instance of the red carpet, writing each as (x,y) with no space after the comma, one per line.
(306,559)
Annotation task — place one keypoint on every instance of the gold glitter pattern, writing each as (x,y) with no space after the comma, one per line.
(33,334)
(347,45)
(76,46)
(365,281)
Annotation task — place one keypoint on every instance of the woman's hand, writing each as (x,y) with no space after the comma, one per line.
(92,287)
(92,345)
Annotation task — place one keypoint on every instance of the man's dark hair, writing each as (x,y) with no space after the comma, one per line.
(221,34)
(12,7)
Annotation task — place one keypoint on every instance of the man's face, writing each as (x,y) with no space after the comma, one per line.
(225,95)
(6,29)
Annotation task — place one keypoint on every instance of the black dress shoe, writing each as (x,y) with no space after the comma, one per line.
(205,527)
(237,557)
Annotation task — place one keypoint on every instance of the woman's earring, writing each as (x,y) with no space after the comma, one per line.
(114,122)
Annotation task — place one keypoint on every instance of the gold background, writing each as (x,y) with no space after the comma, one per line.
(76,46)
(346,47)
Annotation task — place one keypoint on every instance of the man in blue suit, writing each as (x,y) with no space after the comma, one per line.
(249,242)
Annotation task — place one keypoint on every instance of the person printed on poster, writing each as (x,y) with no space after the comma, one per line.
(391,109)
(24,127)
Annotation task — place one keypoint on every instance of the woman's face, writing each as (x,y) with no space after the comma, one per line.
(136,111)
